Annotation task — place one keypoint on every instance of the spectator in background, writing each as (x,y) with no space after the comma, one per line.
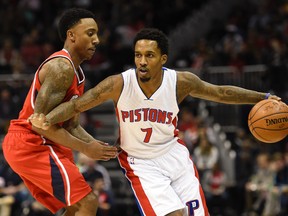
(104,197)
(8,109)
(89,166)
(258,184)
(31,52)
(205,154)
(277,62)
(47,49)
(188,128)
(214,184)
(279,194)
(12,192)
(98,178)
(230,45)
(32,207)
(6,203)
(9,56)
(244,166)
(271,186)
(201,56)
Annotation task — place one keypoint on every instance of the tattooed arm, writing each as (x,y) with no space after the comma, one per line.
(56,77)
(109,89)
(190,84)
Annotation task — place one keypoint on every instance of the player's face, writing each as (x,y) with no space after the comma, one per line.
(85,38)
(148,60)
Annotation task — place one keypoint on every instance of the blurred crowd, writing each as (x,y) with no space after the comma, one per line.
(255,32)
(259,185)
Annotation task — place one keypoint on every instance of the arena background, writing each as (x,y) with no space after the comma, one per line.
(237,42)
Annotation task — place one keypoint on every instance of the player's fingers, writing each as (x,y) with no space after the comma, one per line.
(29,118)
(41,117)
(106,158)
(275,97)
(32,116)
(102,143)
(110,152)
(45,125)
(106,147)
(103,157)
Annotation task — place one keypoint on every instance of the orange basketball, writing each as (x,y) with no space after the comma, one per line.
(268,121)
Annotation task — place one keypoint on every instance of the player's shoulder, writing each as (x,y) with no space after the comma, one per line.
(113,81)
(57,69)
(116,77)
(186,76)
(112,86)
(59,64)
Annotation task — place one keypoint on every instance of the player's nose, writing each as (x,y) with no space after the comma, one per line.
(95,40)
(143,61)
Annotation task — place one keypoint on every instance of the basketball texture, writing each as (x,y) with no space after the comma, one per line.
(268,121)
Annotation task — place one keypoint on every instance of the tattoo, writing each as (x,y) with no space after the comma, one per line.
(188,83)
(62,73)
(184,86)
(95,96)
(104,87)
(236,94)
(229,93)
(102,92)
(183,91)
(59,76)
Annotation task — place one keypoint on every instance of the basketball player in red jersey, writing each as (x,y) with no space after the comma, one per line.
(44,159)
(155,160)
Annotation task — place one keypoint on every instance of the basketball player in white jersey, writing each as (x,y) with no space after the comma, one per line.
(156,162)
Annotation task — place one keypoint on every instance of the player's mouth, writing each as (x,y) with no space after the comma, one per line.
(143,71)
(92,50)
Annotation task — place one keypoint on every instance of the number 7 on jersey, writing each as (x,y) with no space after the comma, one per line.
(148,132)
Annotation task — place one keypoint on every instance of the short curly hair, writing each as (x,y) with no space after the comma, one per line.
(71,17)
(156,35)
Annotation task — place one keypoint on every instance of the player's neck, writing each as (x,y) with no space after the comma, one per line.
(150,87)
(74,57)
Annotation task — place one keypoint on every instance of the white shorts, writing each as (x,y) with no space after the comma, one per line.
(165,184)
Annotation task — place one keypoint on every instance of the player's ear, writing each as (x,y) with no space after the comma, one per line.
(71,35)
(164,59)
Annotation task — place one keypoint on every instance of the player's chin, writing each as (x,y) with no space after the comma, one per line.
(89,56)
(90,53)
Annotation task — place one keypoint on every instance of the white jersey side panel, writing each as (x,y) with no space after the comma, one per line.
(148,125)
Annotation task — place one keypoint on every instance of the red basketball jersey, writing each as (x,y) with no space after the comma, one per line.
(47,168)
(75,90)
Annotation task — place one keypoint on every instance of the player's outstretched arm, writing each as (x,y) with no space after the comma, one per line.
(109,88)
(95,149)
(194,86)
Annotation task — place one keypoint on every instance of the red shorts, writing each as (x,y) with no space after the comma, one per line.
(48,170)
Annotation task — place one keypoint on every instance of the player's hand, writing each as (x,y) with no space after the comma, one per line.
(39,121)
(99,150)
(274,97)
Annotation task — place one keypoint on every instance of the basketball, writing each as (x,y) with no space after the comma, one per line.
(268,121)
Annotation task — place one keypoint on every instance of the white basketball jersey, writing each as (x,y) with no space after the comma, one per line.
(148,125)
